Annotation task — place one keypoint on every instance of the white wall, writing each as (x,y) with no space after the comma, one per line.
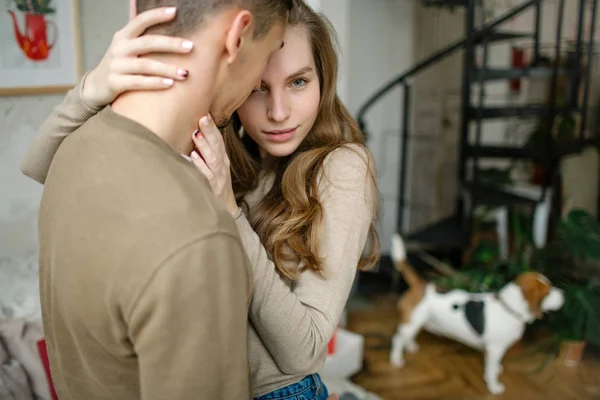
(20,117)
(432,184)
(376,44)
(380,48)
(338,12)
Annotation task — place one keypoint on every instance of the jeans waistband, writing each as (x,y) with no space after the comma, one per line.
(307,383)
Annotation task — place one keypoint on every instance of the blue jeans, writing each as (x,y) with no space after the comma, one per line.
(309,388)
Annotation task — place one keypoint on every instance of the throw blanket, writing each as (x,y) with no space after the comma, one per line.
(22,372)
(14,384)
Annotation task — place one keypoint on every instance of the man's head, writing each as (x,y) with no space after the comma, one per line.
(239,36)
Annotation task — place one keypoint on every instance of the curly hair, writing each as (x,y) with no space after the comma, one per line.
(289,217)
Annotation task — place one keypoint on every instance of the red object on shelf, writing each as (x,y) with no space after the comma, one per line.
(331,345)
(518,61)
(538,175)
(41,344)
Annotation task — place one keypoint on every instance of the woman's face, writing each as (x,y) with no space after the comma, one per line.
(279,114)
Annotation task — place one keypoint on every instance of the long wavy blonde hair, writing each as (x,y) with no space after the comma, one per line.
(289,217)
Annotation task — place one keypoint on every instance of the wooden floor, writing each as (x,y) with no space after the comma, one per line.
(446,370)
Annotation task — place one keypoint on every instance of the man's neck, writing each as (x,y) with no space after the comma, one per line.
(164,113)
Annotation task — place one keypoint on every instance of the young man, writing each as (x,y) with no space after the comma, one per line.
(144,281)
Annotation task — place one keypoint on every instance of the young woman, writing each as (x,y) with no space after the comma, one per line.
(293,171)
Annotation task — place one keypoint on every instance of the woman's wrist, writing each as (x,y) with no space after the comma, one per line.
(233,209)
(89,92)
(237,213)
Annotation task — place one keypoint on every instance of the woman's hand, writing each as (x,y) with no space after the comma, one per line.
(122,69)
(212,160)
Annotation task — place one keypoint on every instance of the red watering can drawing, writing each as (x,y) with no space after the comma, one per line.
(34,40)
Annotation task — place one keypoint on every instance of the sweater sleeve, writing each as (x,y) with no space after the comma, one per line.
(296,324)
(69,115)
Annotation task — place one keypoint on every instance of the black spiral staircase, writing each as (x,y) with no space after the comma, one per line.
(454,233)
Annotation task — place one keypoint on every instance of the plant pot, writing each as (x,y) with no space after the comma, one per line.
(571,352)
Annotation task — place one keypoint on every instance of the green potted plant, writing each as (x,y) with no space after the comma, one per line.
(35,6)
(572,262)
(578,323)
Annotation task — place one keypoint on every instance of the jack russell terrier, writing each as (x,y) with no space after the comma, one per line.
(489,322)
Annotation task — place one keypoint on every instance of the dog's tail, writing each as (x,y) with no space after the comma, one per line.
(398,254)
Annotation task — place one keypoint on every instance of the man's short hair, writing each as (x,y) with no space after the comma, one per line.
(191,14)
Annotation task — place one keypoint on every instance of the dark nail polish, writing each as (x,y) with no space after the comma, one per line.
(196,132)
(183,73)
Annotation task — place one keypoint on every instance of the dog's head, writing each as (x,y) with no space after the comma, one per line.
(539,293)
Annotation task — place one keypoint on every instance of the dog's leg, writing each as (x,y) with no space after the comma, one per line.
(412,346)
(493,368)
(396,354)
(405,336)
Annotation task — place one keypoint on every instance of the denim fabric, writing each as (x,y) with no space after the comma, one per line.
(309,388)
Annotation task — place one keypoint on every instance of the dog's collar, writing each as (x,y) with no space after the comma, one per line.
(509,309)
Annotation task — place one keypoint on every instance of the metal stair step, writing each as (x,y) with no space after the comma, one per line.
(528,110)
(499,152)
(493,196)
(449,233)
(502,36)
(445,3)
(561,149)
(452,233)
(492,74)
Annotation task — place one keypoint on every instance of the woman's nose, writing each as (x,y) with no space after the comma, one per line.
(279,108)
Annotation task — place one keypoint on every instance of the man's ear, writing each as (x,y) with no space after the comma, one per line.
(238,33)
(132,9)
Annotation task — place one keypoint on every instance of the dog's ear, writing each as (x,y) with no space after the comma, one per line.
(535,288)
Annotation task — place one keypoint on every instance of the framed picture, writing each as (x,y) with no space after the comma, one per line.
(39,46)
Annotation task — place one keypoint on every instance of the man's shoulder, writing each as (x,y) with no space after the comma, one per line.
(103,168)
(199,212)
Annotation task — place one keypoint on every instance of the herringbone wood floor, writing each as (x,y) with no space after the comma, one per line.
(446,370)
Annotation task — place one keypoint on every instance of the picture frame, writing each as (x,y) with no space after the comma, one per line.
(40,46)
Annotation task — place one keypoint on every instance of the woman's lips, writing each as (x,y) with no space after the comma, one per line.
(280,135)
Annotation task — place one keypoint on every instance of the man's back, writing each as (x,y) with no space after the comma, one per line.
(143,278)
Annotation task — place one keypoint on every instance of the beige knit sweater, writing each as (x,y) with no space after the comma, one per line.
(291,323)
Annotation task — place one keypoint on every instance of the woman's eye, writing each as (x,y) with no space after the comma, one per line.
(258,90)
(299,82)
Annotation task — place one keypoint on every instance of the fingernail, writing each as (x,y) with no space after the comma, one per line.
(204,121)
(187,45)
(209,117)
(170,10)
(196,132)
(168,81)
(183,72)
(195,155)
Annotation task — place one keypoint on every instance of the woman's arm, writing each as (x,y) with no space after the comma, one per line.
(120,70)
(296,324)
(66,117)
